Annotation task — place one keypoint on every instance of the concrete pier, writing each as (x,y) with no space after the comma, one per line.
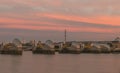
(71,48)
(47,48)
(11,49)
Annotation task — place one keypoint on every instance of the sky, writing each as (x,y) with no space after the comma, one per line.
(47,19)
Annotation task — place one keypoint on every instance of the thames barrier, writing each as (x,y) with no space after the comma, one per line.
(16,47)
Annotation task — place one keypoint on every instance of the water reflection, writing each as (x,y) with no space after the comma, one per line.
(66,63)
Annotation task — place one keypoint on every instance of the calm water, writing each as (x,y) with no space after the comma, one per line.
(83,63)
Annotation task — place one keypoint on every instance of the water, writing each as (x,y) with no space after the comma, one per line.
(60,63)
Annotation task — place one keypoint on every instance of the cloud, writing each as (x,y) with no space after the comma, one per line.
(72,26)
(106,20)
(91,16)
(76,7)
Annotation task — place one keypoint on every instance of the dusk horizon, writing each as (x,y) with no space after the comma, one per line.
(43,20)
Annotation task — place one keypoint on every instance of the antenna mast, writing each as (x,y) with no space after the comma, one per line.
(65,36)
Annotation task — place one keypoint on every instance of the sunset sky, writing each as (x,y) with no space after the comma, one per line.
(47,19)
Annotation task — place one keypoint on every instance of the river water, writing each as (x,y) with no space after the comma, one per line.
(60,63)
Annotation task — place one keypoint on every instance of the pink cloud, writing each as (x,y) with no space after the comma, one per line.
(46,25)
(105,20)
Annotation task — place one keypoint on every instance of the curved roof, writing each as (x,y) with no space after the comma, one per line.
(117,39)
(49,42)
(16,41)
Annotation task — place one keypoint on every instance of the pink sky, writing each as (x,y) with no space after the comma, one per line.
(76,16)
